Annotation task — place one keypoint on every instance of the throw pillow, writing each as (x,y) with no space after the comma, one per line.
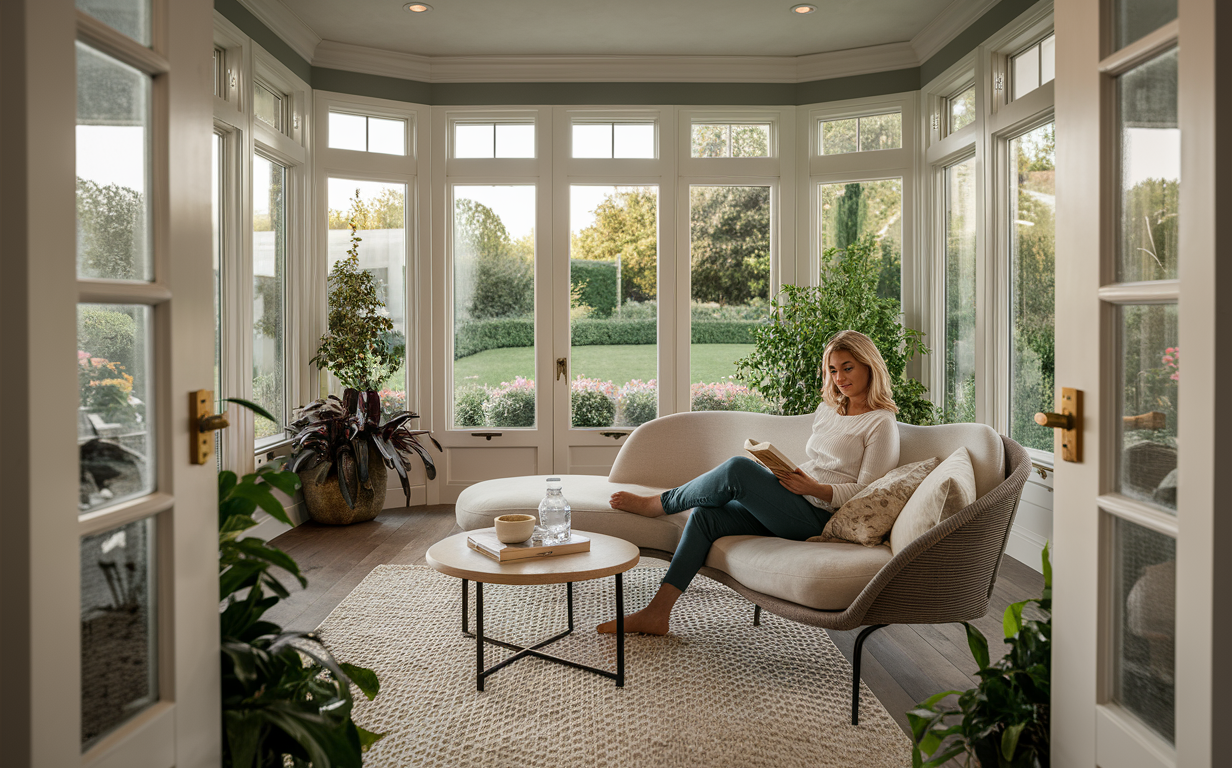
(868,516)
(948,490)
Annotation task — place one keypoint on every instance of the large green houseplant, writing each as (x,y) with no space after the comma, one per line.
(343,445)
(284,696)
(786,365)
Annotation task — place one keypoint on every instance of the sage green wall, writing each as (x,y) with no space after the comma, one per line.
(755,94)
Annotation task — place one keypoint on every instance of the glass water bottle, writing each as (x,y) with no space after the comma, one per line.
(554,514)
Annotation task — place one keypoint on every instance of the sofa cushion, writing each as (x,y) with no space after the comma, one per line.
(983,444)
(947,490)
(825,576)
(588,498)
(867,517)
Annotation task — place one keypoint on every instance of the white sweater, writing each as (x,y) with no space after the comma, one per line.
(849,452)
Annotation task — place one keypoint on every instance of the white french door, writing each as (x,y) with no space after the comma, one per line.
(1137,602)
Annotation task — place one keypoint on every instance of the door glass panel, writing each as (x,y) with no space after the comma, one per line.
(1032,227)
(959,400)
(113,178)
(119,651)
(851,211)
(1137,18)
(613,305)
(1150,378)
(380,215)
(115,433)
(267,106)
(269,244)
(1144,627)
(729,252)
(131,17)
(494,306)
(1150,170)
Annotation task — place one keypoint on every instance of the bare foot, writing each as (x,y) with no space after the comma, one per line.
(641,622)
(646,506)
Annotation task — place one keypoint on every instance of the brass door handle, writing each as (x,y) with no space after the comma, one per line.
(1069,421)
(203,423)
(1055,420)
(211,423)
(562,368)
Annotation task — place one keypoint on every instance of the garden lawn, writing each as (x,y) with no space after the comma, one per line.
(618,364)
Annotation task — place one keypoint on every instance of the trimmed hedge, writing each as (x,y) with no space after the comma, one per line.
(481,335)
(600,278)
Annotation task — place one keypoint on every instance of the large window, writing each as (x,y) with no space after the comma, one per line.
(958,403)
(269,285)
(1032,227)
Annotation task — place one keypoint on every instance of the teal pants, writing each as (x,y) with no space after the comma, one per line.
(737,498)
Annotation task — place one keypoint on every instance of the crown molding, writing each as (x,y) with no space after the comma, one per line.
(614,69)
(948,24)
(283,22)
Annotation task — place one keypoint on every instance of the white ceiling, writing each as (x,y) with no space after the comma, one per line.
(631,27)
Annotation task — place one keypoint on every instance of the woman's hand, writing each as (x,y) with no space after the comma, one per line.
(800,484)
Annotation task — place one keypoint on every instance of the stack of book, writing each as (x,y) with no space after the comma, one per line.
(485,542)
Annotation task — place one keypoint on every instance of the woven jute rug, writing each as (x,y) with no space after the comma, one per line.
(717,692)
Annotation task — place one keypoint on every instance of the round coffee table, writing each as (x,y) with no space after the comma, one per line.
(608,556)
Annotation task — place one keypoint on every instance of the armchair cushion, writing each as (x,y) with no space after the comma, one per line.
(948,489)
(868,516)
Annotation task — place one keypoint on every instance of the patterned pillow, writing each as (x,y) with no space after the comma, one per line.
(868,516)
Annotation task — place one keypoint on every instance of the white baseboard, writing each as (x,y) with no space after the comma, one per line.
(1026,547)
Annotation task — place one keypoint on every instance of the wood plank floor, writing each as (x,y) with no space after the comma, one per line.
(903,664)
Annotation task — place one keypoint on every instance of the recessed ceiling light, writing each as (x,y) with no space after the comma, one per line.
(803,9)
(417,7)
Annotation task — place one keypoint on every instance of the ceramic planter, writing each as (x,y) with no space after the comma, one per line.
(324,500)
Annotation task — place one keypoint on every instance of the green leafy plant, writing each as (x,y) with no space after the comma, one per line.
(334,434)
(1003,721)
(285,698)
(786,366)
(360,347)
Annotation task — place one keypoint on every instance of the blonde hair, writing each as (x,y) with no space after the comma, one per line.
(866,353)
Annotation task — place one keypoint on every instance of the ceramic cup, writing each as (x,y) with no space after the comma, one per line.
(514,529)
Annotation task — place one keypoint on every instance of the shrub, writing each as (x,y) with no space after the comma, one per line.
(107,333)
(468,405)
(511,404)
(724,332)
(639,402)
(592,402)
(598,282)
(727,396)
(471,338)
(612,331)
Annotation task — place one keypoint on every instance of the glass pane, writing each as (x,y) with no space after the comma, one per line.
(634,140)
(131,17)
(1033,207)
(851,211)
(729,253)
(1048,59)
(113,172)
(380,215)
(710,141)
(1144,654)
(267,106)
(1137,18)
(1150,376)
(838,137)
(474,140)
(115,434)
(119,649)
(959,402)
(216,177)
(750,140)
(386,136)
(881,132)
(962,110)
(1150,171)
(269,276)
(592,140)
(348,132)
(494,306)
(515,140)
(613,299)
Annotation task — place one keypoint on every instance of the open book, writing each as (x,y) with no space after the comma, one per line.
(769,457)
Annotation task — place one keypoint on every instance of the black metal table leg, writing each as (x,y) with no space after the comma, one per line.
(620,631)
(479,636)
(465,608)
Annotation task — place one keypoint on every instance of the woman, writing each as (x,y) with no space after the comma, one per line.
(854,442)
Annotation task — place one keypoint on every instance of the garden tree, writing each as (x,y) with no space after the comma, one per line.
(110,231)
(503,278)
(625,227)
(851,211)
(730,243)
(850,214)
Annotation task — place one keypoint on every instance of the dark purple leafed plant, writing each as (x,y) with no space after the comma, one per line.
(334,434)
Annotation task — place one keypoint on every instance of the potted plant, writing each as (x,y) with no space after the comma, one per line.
(342,446)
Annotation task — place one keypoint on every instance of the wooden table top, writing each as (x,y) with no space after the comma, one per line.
(608,555)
